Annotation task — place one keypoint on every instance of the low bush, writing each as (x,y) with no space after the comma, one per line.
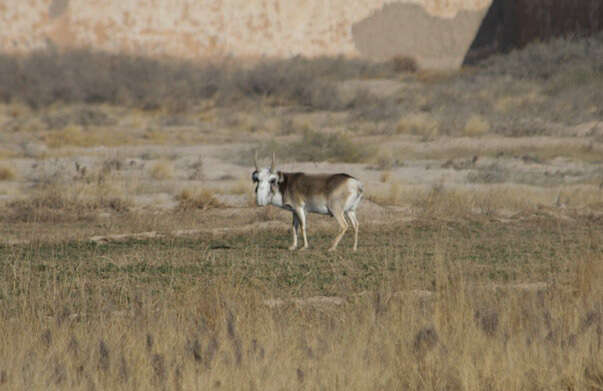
(203,199)
(55,204)
(315,146)
(7,173)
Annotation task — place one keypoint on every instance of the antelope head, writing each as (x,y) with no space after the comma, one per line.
(266,180)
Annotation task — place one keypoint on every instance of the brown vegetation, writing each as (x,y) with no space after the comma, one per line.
(480,255)
(197,199)
(162,170)
(83,76)
(58,204)
(315,146)
(462,305)
(7,173)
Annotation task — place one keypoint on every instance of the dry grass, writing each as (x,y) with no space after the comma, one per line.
(162,170)
(198,199)
(78,136)
(476,126)
(484,286)
(6,153)
(385,176)
(542,149)
(517,94)
(84,75)
(155,137)
(396,193)
(65,203)
(421,124)
(314,146)
(432,305)
(499,199)
(508,103)
(385,160)
(7,173)
(242,186)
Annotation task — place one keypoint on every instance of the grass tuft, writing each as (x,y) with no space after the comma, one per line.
(421,124)
(162,170)
(7,173)
(203,199)
(476,126)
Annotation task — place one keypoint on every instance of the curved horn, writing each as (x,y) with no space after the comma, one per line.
(255,159)
(272,166)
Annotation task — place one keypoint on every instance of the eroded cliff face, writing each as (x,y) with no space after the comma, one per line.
(247,28)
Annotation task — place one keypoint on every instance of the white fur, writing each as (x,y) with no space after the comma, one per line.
(263,194)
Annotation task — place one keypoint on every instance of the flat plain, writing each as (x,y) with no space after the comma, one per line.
(133,257)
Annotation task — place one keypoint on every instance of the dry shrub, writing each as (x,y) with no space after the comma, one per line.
(385,161)
(509,103)
(155,136)
(86,76)
(385,176)
(442,202)
(242,186)
(439,201)
(198,199)
(7,173)
(488,199)
(404,64)
(58,204)
(395,193)
(578,196)
(5,153)
(434,201)
(78,136)
(162,170)
(71,135)
(316,147)
(196,169)
(76,115)
(476,126)
(421,124)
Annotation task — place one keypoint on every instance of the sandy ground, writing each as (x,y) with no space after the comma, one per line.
(218,167)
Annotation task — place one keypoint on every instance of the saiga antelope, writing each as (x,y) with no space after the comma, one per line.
(337,195)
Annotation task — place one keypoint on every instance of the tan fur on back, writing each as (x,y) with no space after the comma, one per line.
(320,188)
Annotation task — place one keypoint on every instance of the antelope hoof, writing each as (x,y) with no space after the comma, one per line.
(292,248)
(332,249)
(303,248)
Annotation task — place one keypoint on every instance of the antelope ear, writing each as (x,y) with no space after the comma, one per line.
(254,176)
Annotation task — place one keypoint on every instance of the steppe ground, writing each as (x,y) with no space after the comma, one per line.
(133,258)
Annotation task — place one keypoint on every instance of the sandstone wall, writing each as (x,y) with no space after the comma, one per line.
(436,32)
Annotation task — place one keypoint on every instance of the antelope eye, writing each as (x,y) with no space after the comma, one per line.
(273,181)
